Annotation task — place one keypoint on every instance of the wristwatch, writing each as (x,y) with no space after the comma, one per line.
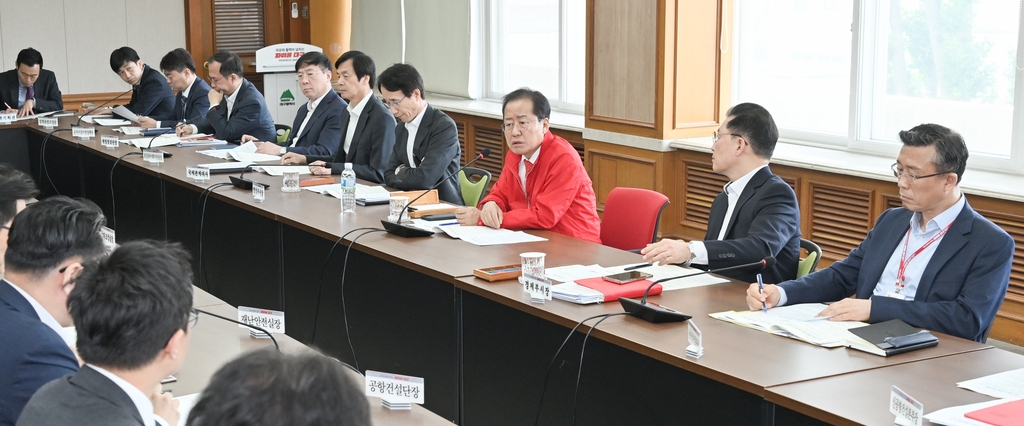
(689,246)
(283,150)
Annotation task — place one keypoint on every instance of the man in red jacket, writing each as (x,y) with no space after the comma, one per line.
(543,183)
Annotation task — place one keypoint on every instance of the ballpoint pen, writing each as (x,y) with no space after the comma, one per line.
(760,286)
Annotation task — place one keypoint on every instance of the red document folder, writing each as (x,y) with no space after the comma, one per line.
(613,291)
(1010,413)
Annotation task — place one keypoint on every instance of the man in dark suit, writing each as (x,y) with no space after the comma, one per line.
(934,263)
(317,126)
(16,190)
(192,101)
(237,108)
(151,95)
(757,215)
(368,136)
(48,245)
(28,89)
(427,146)
(133,314)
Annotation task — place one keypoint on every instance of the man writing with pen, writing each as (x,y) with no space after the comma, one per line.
(192,99)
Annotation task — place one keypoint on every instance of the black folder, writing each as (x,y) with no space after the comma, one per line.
(894,337)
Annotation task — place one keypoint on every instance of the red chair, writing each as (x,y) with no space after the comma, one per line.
(631,217)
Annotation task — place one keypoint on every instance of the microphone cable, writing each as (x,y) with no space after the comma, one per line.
(579,370)
(42,158)
(323,270)
(203,280)
(113,204)
(260,329)
(344,308)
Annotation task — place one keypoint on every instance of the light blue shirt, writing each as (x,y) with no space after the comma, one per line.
(22,94)
(887,282)
(918,237)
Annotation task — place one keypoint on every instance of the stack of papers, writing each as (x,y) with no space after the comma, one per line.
(131,131)
(480,235)
(42,114)
(575,293)
(111,122)
(797,322)
(570,291)
(154,142)
(1008,384)
(369,195)
(245,153)
(280,170)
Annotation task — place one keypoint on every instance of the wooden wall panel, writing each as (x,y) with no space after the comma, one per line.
(610,169)
(696,68)
(623,55)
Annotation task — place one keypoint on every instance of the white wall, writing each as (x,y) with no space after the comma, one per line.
(77,36)
(439,40)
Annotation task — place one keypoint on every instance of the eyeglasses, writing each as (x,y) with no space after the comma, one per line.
(5,227)
(523,125)
(911,178)
(394,104)
(715,135)
(307,74)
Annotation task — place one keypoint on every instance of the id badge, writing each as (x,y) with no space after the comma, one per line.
(895,296)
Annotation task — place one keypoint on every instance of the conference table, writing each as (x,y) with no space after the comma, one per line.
(413,307)
(214,342)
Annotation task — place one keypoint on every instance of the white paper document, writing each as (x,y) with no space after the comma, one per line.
(797,322)
(214,167)
(35,116)
(245,153)
(280,170)
(487,236)
(1008,384)
(91,119)
(131,131)
(153,142)
(126,113)
(111,122)
(669,271)
(185,404)
(954,416)
(575,293)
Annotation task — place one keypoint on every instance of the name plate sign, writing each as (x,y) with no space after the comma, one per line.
(198,174)
(394,389)
(107,235)
(8,118)
(905,407)
(538,288)
(83,133)
(47,122)
(153,156)
(110,142)
(272,321)
(259,192)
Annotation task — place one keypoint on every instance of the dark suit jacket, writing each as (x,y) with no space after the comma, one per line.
(249,116)
(45,90)
(765,222)
(152,97)
(372,143)
(194,108)
(961,289)
(437,153)
(87,398)
(31,354)
(324,129)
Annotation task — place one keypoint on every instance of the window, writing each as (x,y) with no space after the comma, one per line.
(853,74)
(539,44)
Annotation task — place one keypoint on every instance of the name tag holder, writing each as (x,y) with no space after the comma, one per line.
(197,173)
(8,118)
(538,288)
(259,192)
(396,392)
(83,133)
(48,123)
(696,348)
(110,142)
(153,156)
(272,321)
(109,240)
(906,408)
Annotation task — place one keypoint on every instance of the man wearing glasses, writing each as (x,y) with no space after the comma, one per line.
(427,145)
(47,247)
(236,107)
(934,263)
(543,183)
(133,315)
(757,215)
(317,126)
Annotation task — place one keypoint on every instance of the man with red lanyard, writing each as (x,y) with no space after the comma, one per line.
(543,183)
(934,263)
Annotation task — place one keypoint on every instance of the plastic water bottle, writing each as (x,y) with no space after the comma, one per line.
(348,189)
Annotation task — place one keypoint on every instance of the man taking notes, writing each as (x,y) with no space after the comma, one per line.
(191,102)
(48,244)
(368,128)
(934,263)
(133,315)
(317,126)
(427,145)
(151,96)
(236,107)
(543,183)
(755,217)
(28,89)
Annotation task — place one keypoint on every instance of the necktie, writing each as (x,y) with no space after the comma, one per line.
(30,94)
(184,106)
(529,167)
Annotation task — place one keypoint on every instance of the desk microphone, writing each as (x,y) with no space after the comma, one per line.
(406,231)
(241,182)
(101,106)
(244,324)
(655,313)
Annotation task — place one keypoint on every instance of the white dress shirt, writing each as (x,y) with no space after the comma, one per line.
(412,127)
(310,106)
(522,168)
(354,111)
(230,99)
